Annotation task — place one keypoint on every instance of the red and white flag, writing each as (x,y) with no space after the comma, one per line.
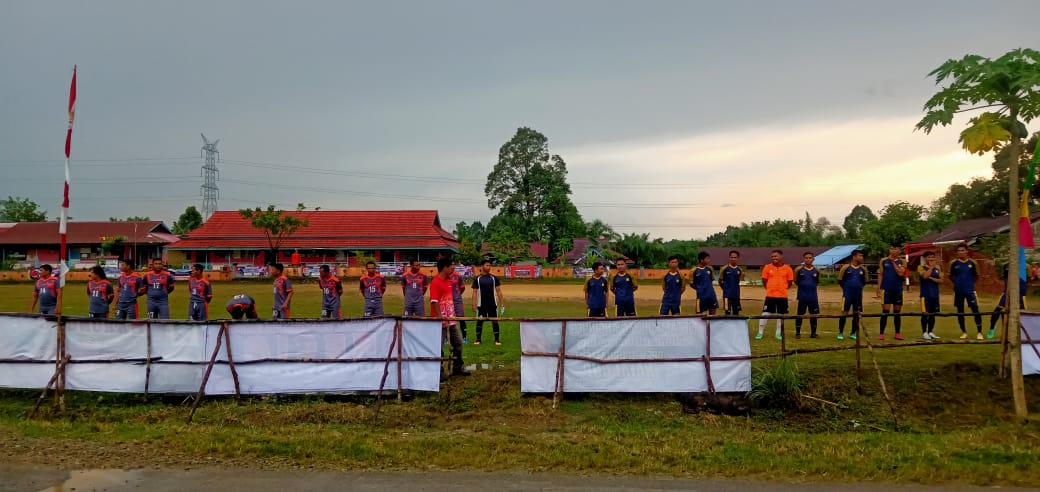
(63,225)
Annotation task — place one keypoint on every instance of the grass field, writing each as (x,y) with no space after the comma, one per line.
(954,414)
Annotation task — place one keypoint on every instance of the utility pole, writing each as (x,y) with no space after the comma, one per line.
(210,175)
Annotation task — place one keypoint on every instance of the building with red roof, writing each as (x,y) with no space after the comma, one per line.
(39,242)
(331,236)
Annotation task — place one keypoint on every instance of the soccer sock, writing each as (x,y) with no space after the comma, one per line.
(884,320)
(462,328)
(924,324)
(779,325)
(841,325)
(480,330)
(898,320)
(494,326)
(994,318)
(762,322)
(812,325)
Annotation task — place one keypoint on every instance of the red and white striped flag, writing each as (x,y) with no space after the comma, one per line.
(63,267)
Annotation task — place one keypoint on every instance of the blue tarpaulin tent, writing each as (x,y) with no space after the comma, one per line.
(828,258)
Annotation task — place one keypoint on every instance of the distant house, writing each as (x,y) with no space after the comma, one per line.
(330,236)
(758,256)
(33,243)
(969,231)
(581,249)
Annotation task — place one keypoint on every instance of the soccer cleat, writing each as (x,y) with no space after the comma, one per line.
(852,336)
(813,336)
(899,336)
(881,337)
(964,336)
(979,336)
(498,342)
(798,335)
(758,337)
(991,333)
(933,335)
(779,336)
(465,340)
(841,336)
(926,336)
(477,342)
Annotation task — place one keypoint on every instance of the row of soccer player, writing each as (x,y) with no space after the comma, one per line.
(158,283)
(778,278)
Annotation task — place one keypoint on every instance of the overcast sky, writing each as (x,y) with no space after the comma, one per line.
(675,118)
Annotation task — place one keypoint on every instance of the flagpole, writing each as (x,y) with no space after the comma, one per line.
(63,266)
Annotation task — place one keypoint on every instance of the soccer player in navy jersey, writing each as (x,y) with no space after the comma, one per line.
(730,276)
(852,278)
(624,287)
(673,287)
(930,275)
(891,272)
(596,292)
(963,272)
(998,312)
(702,279)
(807,278)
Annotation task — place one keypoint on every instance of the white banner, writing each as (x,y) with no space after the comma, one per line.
(1030,343)
(269,356)
(32,343)
(622,355)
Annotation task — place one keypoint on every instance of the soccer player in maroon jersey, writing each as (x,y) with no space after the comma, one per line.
(47,292)
(373,286)
(159,284)
(100,293)
(331,292)
(201,292)
(283,292)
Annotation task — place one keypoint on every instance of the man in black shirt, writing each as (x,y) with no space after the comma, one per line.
(487,297)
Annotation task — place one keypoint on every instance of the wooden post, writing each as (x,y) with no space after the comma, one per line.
(386,372)
(558,390)
(205,376)
(856,320)
(226,328)
(881,379)
(1004,337)
(148,361)
(399,333)
(57,371)
(59,393)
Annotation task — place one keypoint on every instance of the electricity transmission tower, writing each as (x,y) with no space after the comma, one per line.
(210,175)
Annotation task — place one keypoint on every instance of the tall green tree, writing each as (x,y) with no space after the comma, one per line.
(528,186)
(1007,88)
(899,223)
(18,209)
(641,249)
(988,197)
(473,233)
(135,218)
(856,219)
(190,220)
(275,224)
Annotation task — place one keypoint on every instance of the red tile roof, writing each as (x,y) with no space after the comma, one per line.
(42,233)
(328,229)
(541,250)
